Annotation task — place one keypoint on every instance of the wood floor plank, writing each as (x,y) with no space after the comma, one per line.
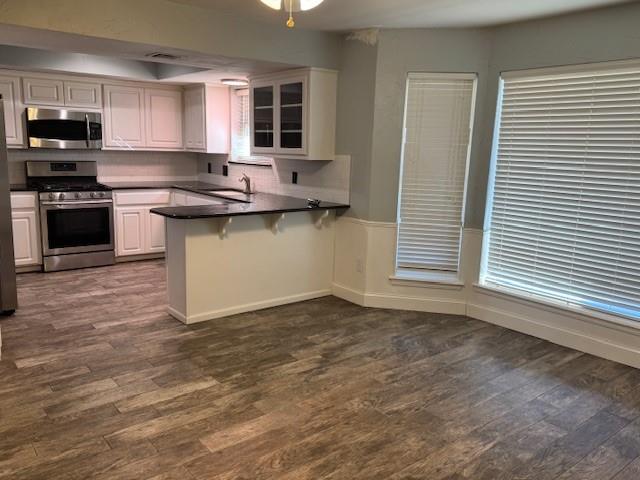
(99,382)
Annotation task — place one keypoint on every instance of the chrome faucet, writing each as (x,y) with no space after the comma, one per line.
(247,183)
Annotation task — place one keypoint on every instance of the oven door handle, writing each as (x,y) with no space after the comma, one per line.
(88,123)
(77,203)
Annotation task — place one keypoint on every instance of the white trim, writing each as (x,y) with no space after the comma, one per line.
(249,307)
(431,278)
(556,334)
(348,294)
(400,302)
(443,75)
(558,307)
(579,67)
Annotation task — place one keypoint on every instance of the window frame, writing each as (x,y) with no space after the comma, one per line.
(575,307)
(444,277)
(263,161)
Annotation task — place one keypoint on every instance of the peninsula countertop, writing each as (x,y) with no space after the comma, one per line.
(255,204)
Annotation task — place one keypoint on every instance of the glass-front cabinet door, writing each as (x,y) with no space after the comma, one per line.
(263,117)
(291,113)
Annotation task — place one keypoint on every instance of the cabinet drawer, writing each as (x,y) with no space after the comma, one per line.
(82,94)
(42,91)
(143,197)
(23,200)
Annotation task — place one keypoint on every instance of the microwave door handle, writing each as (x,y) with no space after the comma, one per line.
(86,119)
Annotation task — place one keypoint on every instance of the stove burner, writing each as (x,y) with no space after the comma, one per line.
(67,186)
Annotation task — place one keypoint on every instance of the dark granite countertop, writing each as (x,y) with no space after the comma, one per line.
(192,185)
(255,204)
(261,203)
(21,187)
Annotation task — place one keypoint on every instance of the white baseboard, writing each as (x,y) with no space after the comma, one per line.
(249,307)
(400,302)
(348,294)
(569,338)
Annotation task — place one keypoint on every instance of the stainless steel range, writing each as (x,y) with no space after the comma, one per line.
(76,215)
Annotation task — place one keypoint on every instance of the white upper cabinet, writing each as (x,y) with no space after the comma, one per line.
(43,91)
(82,94)
(207,119)
(13,110)
(138,118)
(293,114)
(194,126)
(163,118)
(124,116)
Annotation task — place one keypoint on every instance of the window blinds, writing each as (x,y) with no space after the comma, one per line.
(240,146)
(438,116)
(565,215)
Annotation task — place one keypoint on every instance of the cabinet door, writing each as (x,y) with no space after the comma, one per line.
(130,230)
(26,240)
(291,116)
(155,233)
(13,110)
(42,91)
(82,94)
(194,118)
(263,111)
(124,116)
(164,118)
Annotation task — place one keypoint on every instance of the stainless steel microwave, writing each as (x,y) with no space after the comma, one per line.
(64,129)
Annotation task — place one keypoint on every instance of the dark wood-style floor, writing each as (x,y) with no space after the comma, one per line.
(98,382)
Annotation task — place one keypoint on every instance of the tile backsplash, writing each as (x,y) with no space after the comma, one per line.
(115,165)
(325,180)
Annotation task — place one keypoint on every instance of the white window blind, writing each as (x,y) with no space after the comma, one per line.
(437,128)
(240,140)
(564,217)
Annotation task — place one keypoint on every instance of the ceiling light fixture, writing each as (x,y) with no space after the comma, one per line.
(292,6)
(234,82)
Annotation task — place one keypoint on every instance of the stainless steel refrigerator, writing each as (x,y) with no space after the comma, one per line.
(8,293)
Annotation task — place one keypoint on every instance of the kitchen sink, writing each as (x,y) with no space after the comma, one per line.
(228,192)
(237,195)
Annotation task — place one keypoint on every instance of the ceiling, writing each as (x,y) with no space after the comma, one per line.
(345,15)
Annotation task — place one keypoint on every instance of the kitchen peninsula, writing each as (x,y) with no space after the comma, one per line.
(255,251)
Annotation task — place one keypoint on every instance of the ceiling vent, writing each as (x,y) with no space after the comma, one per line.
(162,56)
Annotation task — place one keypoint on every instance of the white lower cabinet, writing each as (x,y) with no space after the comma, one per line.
(155,240)
(138,231)
(130,230)
(27,248)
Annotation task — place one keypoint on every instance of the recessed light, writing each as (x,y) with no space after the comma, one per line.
(234,82)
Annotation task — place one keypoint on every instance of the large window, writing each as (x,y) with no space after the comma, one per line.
(437,135)
(564,201)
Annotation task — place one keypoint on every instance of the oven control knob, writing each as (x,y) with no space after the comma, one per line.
(92,194)
(61,197)
(52,196)
(77,195)
(101,194)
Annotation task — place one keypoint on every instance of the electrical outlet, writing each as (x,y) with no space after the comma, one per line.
(225,170)
(208,167)
(294,177)
(359,265)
